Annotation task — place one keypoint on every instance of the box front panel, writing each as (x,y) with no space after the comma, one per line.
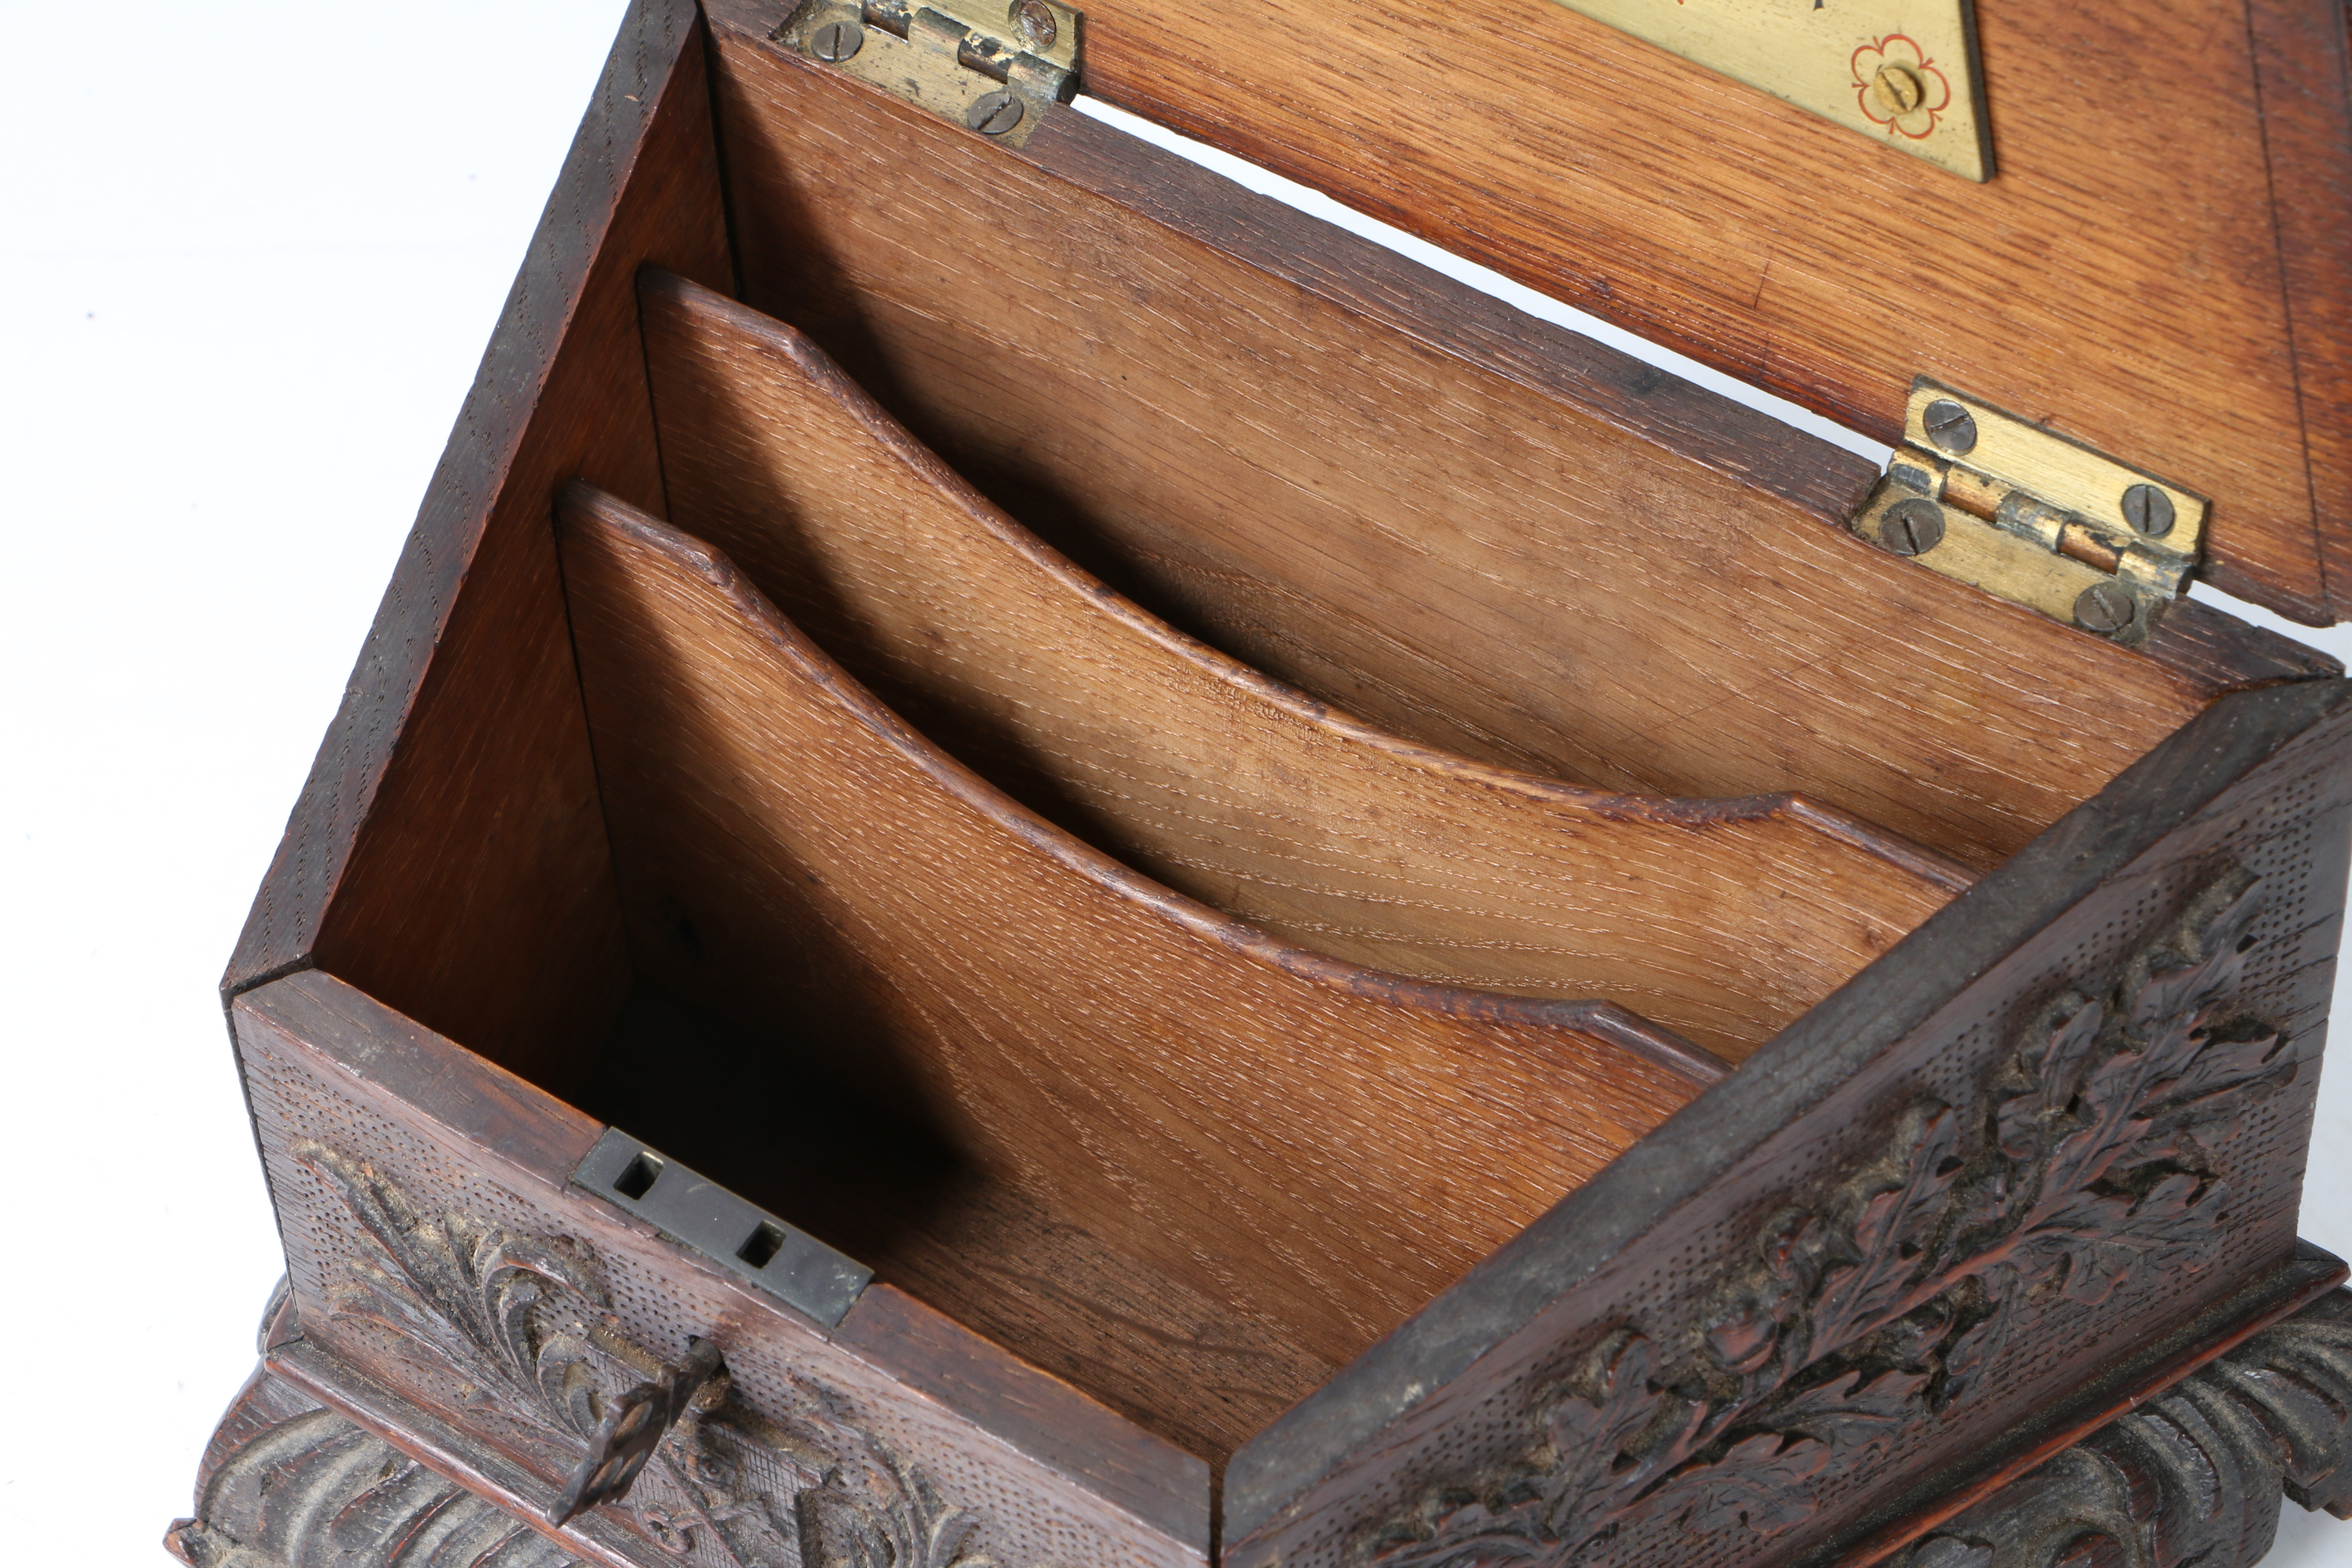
(451,1267)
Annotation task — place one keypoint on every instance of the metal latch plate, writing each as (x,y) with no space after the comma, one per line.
(745,1240)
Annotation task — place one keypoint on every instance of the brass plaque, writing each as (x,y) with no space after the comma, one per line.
(1900,71)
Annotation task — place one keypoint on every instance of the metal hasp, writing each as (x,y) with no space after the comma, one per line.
(746,1241)
(2040,520)
(1900,71)
(996,66)
(632,1427)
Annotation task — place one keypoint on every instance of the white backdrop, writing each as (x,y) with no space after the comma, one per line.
(249,259)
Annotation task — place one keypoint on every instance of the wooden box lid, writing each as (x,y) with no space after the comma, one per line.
(2159,265)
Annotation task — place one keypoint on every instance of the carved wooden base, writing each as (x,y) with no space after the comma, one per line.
(2191,1479)
(288,1483)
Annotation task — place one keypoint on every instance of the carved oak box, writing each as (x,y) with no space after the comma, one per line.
(1035,864)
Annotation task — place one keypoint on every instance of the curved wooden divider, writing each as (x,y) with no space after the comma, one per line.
(1326,1146)
(1723,919)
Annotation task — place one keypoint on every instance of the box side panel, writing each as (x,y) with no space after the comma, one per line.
(435,1249)
(448,848)
(2064,1118)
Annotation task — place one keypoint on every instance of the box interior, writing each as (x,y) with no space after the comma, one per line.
(1313,1149)
(1439,517)
(1253,798)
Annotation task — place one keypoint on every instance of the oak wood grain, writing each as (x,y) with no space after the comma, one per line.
(447,853)
(1325,1145)
(1348,474)
(2303,58)
(2134,295)
(1721,920)
(766,1111)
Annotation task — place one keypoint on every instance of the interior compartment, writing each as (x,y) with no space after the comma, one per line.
(1720,919)
(1464,526)
(1312,1147)
(1471,529)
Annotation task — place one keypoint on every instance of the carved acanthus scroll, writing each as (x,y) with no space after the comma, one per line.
(1887,1299)
(525,1323)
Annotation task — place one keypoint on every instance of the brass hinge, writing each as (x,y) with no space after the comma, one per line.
(994,66)
(2038,519)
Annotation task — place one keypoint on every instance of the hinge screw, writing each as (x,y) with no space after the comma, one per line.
(2149,511)
(1950,427)
(994,113)
(836,41)
(1036,20)
(2104,607)
(1912,527)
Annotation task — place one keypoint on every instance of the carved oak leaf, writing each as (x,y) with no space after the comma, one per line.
(887,1514)
(1764,1336)
(2112,1099)
(2109,1197)
(2101,1240)
(2196,1074)
(1599,1453)
(1853,1414)
(1460,1530)
(2054,1069)
(1757,1483)
(1985,1342)
(1888,1237)
(1606,1440)
(2170,985)
(505,1311)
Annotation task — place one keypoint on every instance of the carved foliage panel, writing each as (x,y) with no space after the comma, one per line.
(2092,1141)
(520,1319)
(1884,1303)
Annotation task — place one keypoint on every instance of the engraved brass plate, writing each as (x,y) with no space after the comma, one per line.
(1900,71)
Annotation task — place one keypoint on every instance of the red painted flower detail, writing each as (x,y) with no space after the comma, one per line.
(1899,87)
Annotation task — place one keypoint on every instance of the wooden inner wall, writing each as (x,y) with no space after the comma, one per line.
(1336,468)
(887,1186)
(1043,1044)
(2125,274)
(479,896)
(1720,919)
